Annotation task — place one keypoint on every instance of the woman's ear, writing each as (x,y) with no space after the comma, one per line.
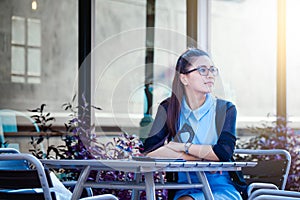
(183,79)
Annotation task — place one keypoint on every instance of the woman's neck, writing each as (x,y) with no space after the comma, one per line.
(195,100)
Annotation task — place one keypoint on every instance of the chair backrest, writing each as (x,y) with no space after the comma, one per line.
(8,150)
(24,183)
(12,164)
(9,120)
(2,140)
(273,166)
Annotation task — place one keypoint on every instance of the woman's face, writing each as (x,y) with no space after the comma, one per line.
(195,82)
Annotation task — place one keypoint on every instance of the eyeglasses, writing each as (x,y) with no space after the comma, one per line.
(203,70)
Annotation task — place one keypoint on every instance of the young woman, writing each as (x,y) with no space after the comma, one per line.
(192,104)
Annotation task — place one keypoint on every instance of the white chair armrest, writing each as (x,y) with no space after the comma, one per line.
(272,197)
(101,197)
(273,193)
(255,186)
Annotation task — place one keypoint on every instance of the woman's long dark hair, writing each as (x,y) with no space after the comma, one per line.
(182,65)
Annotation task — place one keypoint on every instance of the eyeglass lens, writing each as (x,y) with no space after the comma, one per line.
(203,70)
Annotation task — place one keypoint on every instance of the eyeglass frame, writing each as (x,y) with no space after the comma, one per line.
(203,66)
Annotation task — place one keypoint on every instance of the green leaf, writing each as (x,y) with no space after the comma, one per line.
(42,107)
(97,108)
(34,110)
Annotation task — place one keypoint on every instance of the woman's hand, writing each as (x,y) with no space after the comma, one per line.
(195,151)
(172,150)
(165,152)
(175,146)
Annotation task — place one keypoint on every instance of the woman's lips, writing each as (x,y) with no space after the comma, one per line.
(210,84)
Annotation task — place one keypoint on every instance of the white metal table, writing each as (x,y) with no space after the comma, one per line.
(147,168)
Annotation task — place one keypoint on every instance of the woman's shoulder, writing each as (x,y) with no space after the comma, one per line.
(224,103)
(165,103)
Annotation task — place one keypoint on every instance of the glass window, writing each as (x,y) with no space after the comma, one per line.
(243,45)
(170,42)
(41,66)
(26,54)
(34,80)
(293,62)
(119,60)
(120,56)
(18,30)
(34,62)
(34,32)
(18,60)
(17,79)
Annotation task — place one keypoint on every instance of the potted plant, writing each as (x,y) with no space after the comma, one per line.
(277,135)
(44,120)
(80,142)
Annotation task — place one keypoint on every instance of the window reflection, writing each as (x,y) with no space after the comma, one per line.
(293,62)
(120,52)
(39,55)
(34,32)
(26,53)
(243,43)
(18,60)
(34,62)
(18,30)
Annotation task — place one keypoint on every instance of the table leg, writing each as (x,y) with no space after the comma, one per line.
(135,192)
(150,186)
(206,188)
(79,185)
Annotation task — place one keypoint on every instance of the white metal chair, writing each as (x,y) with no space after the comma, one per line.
(8,150)
(9,123)
(271,194)
(268,174)
(30,183)
(9,120)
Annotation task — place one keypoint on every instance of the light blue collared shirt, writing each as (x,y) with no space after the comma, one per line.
(202,120)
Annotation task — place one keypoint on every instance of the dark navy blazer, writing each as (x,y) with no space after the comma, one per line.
(160,133)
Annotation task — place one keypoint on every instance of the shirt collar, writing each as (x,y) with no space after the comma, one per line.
(199,112)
